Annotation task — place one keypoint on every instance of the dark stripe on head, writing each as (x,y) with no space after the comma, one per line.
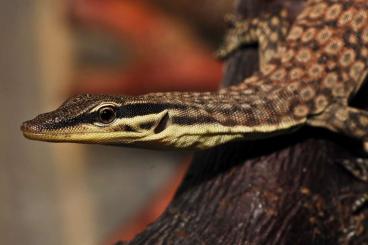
(133,110)
(58,123)
(57,119)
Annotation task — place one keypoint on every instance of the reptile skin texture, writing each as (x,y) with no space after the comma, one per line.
(308,80)
(309,71)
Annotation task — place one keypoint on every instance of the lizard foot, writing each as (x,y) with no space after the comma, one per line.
(358,167)
(360,203)
(241,32)
(268,31)
(230,20)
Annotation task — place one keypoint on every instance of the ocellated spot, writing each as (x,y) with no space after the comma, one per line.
(318,10)
(356,70)
(347,57)
(309,35)
(359,20)
(345,17)
(304,55)
(333,12)
(321,103)
(324,35)
(296,73)
(301,110)
(294,86)
(288,55)
(315,71)
(278,75)
(334,46)
(295,33)
(330,80)
(307,93)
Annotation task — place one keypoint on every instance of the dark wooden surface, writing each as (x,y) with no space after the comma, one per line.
(283,190)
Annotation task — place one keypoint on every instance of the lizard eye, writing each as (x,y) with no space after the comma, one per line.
(107,114)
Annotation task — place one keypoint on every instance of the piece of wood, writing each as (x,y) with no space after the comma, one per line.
(283,190)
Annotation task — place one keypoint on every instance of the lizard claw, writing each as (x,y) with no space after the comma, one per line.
(230,20)
(360,203)
(358,167)
(237,36)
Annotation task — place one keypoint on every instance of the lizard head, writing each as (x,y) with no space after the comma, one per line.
(150,121)
(102,119)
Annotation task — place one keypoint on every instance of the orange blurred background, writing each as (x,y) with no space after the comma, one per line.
(52,49)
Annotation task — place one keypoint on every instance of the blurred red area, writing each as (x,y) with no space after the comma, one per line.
(166,54)
(153,211)
(163,55)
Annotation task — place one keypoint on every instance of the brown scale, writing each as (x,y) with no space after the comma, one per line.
(267,30)
(324,61)
(305,77)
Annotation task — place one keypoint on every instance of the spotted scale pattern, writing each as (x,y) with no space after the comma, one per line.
(307,78)
(323,61)
(267,31)
(312,73)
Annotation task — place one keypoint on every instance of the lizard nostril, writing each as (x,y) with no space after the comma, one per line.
(29,126)
(26,126)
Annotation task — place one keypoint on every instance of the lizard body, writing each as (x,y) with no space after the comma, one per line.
(316,71)
(306,79)
(267,31)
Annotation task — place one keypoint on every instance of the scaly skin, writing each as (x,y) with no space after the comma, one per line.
(307,81)
(317,70)
(263,31)
(267,31)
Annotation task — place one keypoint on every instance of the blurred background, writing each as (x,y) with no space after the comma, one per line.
(52,49)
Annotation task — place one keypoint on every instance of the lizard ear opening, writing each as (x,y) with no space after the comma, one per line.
(162,125)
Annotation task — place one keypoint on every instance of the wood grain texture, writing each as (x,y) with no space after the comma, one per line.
(284,190)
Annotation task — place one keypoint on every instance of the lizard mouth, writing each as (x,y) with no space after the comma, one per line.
(29,129)
(35,130)
(32,131)
(44,136)
(67,137)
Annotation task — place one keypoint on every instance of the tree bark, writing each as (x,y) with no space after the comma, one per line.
(282,190)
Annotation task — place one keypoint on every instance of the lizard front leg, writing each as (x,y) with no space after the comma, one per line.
(351,122)
(358,167)
(268,31)
(242,32)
